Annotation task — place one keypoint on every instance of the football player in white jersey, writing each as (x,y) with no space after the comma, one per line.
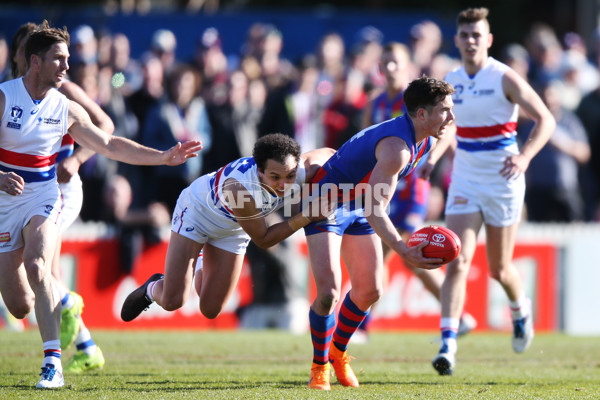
(34,118)
(487,186)
(72,328)
(216,217)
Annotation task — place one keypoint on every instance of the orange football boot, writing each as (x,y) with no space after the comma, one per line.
(341,364)
(320,377)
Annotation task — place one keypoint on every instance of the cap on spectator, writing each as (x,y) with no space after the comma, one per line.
(82,34)
(164,40)
(210,38)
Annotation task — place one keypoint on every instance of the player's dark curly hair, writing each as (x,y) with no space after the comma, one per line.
(425,92)
(274,146)
(41,39)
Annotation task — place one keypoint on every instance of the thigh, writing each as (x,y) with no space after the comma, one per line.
(179,265)
(363,256)
(500,243)
(39,236)
(324,255)
(220,274)
(467,227)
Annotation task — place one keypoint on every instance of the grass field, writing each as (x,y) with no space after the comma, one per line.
(276,365)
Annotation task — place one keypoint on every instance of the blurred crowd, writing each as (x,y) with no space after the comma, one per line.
(229,100)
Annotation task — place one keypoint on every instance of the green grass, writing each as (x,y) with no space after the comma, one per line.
(276,365)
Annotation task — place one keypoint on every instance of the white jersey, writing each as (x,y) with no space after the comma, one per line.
(31,131)
(204,215)
(486,122)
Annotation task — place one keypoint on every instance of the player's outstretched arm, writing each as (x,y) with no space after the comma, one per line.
(121,149)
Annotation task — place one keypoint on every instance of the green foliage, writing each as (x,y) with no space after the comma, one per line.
(276,365)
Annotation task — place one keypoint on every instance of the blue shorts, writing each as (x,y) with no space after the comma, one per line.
(345,220)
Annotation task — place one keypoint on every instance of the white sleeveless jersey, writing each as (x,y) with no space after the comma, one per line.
(206,195)
(486,122)
(30,133)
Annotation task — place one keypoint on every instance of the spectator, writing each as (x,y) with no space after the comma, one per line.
(5,70)
(234,124)
(553,191)
(127,73)
(425,43)
(163,46)
(179,117)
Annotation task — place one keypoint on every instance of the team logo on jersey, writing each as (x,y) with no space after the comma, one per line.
(4,237)
(15,118)
(49,209)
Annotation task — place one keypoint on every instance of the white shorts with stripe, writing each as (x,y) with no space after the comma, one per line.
(500,201)
(38,198)
(196,218)
(72,201)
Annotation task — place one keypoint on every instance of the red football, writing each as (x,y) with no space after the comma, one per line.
(443,243)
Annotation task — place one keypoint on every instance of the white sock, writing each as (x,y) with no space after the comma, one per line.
(84,342)
(517,308)
(52,354)
(67,301)
(149,290)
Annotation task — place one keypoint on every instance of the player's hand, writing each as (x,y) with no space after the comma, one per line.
(514,166)
(179,153)
(66,169)
(425,170)
(320,208)
(11,183)
(414,257)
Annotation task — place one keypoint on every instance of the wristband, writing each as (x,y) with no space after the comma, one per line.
(298,221)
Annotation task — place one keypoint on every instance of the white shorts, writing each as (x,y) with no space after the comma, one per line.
(72,201)
(38,198)
(194,219)
(500,202)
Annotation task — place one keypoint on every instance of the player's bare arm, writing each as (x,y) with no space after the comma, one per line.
(70,165)
(518,91)
(314,159)
(121,149)
(241,202)
(392,155)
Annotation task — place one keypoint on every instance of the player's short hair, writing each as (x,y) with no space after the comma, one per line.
(472,15)
(274,146)
(23,31)
(425,92)
(41,39)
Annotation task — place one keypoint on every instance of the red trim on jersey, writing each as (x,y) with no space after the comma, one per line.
(67,139)
(486,131)
(26,160)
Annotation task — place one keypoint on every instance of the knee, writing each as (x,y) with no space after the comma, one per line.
(210,311)
(172,303)
(328,300)
(498,273)
(21,309)
(35,270)
(366,298)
